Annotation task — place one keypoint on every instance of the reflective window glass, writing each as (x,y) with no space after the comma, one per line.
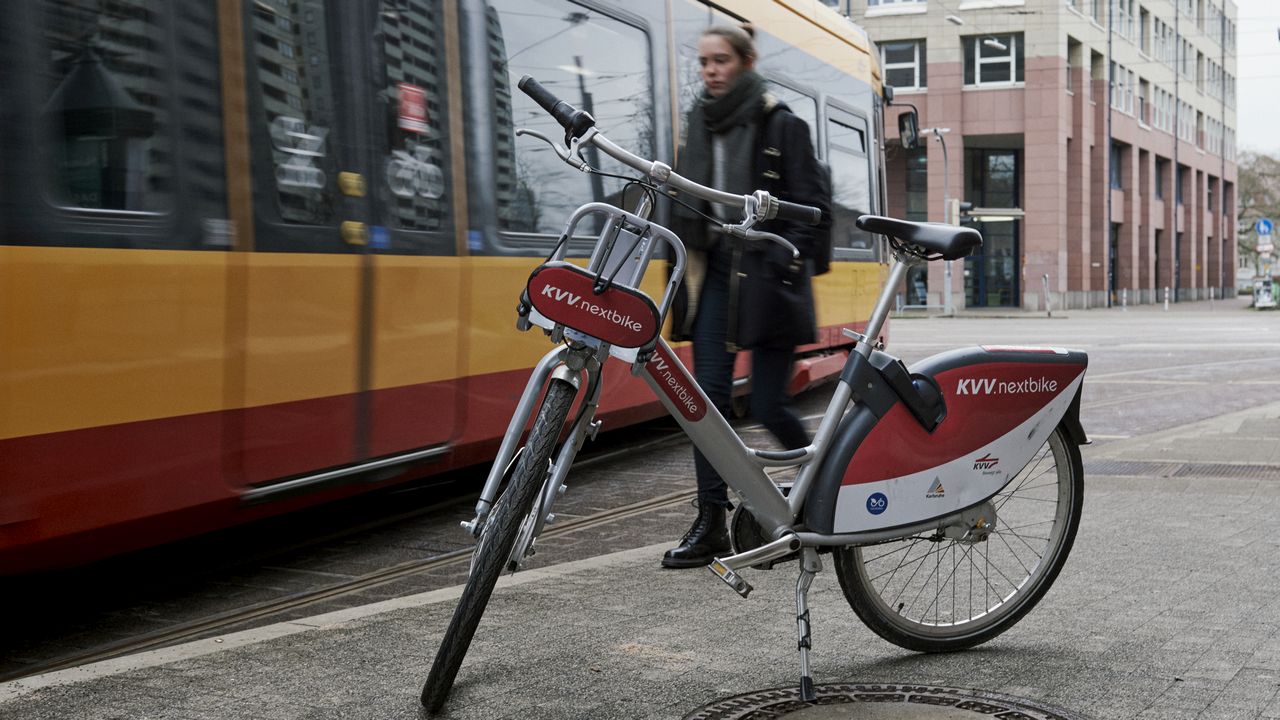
(850,178)
(109,76)
(591,61)
(289,45)
(803,106)
(414,185)
(904,64)
(688,22)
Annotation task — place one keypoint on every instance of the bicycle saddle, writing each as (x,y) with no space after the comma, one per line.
(945,242)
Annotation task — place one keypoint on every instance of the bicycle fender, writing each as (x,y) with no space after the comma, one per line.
(886,470)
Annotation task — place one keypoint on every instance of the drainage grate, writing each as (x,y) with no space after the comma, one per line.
(1130,467)
(878,702)
(1229,470)
(1176,469)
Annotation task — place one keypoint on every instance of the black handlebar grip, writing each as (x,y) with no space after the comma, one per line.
(796,212)
(563,112)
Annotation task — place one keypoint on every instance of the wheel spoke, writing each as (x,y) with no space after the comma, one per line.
(913,592)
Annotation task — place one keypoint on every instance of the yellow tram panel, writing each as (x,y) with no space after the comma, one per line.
(302,328)
(99,337)
(416,308)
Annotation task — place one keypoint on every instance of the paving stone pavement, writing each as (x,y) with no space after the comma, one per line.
(1167,609)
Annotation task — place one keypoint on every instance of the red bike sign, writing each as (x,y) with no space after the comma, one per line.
(620,316)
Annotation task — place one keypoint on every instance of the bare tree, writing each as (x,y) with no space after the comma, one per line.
(1258,196)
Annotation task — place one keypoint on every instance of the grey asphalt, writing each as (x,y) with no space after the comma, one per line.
(1169,606)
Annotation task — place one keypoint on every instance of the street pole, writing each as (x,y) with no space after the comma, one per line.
(947,307)
(593,155)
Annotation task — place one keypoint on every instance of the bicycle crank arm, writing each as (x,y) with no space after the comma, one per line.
(727,568)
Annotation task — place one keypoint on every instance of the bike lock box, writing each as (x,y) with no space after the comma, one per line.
(886,469)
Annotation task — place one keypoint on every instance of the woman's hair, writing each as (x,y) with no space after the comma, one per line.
(741,38)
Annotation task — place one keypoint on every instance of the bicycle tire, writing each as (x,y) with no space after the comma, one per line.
(496,542)
(888,596)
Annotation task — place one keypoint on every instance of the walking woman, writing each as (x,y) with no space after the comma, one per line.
(739,296)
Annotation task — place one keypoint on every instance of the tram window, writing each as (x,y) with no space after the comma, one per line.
(688,23)
(108,80)
(804,107)
(586,58)
(414,187)
(291,50)
(851,179)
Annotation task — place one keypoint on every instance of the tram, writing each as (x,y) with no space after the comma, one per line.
(261,254)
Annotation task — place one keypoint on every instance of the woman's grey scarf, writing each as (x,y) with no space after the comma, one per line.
(734,118)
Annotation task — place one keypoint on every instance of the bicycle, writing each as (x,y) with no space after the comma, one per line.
(969,460)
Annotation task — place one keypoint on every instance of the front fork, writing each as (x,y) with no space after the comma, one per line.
(562,363)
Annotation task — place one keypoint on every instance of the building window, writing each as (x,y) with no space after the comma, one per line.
(1144,98)
(1144,31)
(1177,185)
(1162,167)
(917,177)
(992,59)
(904,64)
(1117,170)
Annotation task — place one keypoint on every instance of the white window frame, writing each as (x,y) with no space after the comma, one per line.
(916,66)
(1011,59)
(896,7)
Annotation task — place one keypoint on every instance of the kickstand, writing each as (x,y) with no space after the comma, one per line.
(809,566)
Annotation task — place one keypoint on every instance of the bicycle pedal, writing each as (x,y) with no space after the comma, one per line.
(731,578)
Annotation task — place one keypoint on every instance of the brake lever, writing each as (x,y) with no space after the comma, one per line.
(746,233)
(563,152)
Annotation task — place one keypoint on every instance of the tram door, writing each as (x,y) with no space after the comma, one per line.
(349,317)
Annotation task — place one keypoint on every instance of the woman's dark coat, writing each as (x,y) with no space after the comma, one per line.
(771,296)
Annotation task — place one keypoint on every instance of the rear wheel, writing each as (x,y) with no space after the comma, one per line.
(496,541)
(932,593)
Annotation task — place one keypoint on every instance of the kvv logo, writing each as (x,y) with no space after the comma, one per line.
(559,295)
(995,386)
(672,382)
(577,301)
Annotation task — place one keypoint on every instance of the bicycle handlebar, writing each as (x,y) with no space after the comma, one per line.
(797,212)
(574,121)
(577,125)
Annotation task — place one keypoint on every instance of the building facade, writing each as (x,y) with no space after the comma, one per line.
(1097,137)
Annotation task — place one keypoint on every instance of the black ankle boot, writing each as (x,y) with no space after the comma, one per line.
(704,540)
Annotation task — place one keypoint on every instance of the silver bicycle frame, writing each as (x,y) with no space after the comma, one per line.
(743,468)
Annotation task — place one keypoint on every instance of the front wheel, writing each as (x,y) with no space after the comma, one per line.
(496,542)
(931,593)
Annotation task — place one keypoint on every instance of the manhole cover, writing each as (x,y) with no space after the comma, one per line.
(879,702)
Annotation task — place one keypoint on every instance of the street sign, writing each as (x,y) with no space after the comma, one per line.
(1264,226)
(1265,249)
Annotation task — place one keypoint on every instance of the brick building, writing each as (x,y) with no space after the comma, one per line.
(1110,125)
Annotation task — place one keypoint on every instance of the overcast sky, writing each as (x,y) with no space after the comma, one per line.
(1258,76)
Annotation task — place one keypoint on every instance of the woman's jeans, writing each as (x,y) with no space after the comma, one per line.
(713,368)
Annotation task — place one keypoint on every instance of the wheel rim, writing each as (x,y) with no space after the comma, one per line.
(933,587)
